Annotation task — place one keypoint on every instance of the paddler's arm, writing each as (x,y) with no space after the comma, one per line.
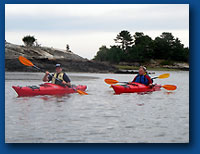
(149,80)
(66,80)
(45,78)
(67,83)
(134,78)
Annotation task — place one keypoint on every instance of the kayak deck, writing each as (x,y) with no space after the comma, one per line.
(47,89)
(134,88)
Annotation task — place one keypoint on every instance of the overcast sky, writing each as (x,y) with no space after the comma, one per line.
(86,27)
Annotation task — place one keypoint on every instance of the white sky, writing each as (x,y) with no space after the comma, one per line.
(86,27)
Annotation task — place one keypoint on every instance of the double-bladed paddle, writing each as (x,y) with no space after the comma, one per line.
(167,87)
(27,62)
(112,81)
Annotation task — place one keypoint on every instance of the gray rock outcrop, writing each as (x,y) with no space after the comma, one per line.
(46,58)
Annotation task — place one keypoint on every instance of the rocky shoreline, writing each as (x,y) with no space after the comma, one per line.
(153,65)
(46,58)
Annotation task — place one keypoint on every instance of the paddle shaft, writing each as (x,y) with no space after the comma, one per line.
(154,77)
(38,68)
(44,71)
(151,78)
(129,83)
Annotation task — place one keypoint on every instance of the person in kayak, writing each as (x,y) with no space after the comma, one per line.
(143,77)
(59,77)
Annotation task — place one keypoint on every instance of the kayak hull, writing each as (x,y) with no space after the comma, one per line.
(135,88)
(47,89)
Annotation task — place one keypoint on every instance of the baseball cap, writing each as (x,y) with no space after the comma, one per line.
(58,65)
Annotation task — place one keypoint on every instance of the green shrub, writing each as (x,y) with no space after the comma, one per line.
(28,40)
(166,62)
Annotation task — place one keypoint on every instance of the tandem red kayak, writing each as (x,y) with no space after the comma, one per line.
(134,88)
(47,89)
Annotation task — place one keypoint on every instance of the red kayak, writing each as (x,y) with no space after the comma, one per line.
(47,89)
(134,88)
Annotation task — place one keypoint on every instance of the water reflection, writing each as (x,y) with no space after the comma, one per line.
(140,104)
(169,92)
(56,98)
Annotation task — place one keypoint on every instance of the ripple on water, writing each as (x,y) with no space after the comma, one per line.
(99,117)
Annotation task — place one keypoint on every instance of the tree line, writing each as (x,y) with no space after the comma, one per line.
(142,48)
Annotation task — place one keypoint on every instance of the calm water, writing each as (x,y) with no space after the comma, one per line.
(101,116)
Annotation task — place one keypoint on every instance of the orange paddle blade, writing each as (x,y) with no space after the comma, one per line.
(169,87)
(82,92)
(163,76)
(111,81)
(25,61)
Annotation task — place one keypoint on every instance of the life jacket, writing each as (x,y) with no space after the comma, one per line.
(142,79)
(58,76)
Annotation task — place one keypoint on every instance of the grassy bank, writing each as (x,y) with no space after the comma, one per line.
(127,67)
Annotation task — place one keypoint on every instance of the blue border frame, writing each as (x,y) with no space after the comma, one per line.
(192,147)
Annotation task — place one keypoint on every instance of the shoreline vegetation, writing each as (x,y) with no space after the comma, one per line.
(164,53)
(168,68)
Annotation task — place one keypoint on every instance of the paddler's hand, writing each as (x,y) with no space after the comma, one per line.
(64,82)
(151,85)
(45,78)
(67,83)
(46,73)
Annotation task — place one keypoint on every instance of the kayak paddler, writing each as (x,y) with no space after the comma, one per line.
(143,77)
(59,77)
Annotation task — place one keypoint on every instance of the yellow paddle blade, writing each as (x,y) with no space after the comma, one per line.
(111,81)
(164,76)
(25,61)
(169,87)
(82,92)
